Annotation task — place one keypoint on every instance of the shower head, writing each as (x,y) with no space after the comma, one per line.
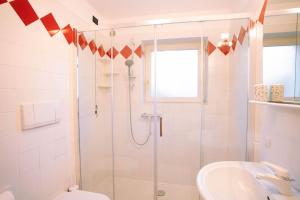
(129,63)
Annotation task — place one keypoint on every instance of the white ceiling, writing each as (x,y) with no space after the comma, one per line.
(283,4)
(282,1)
(114,10)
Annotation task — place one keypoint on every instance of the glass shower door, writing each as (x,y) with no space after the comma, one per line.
(133,134)
(116,121)
(177,82)
(224,133)
(95,112)
(201,99)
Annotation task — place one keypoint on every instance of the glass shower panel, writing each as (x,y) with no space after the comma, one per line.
(133,122)
(224,135)
(297,70)
(95,112)
(155,106)
(179,90)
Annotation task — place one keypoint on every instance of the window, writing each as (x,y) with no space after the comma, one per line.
(280,70)
(178,70)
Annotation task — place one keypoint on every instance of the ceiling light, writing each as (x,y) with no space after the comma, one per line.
(225,36)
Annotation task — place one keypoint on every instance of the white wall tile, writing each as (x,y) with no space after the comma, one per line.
(48,181)
(33,68)
(8,100)
(8,77)
(9,168)
(30,186)
(60,147)
(278,136)
(26,58)
(29,161)
(7,52)
(8,123)
(26,78)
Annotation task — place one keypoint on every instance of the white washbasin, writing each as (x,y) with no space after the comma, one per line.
(236,181)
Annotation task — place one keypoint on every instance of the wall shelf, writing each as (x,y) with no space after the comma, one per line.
(282,105)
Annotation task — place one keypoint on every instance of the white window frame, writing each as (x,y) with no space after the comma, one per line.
(173,45)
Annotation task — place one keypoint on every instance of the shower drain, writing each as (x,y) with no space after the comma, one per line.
(161,193)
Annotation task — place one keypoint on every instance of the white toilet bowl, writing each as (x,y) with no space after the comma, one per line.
(81,195)
(6,194)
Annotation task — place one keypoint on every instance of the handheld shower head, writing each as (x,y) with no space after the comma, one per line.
(129,63)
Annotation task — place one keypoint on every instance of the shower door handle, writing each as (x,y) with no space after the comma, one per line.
(205,71)
(160,127)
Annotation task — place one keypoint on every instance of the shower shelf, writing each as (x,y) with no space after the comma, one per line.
(109,73)
(104,60)
(104,86)
(282,105)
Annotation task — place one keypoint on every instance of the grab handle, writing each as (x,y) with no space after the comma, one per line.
(160,127)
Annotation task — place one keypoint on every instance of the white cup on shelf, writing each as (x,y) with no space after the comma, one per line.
(277,92)
(262,92)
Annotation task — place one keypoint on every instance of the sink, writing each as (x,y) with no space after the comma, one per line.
(232,180)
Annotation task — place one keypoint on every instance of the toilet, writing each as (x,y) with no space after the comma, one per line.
(74,195)
(81,195)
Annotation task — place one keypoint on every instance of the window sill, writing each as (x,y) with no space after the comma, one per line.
(174,100)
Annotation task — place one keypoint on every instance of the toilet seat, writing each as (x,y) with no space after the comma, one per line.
(81,195)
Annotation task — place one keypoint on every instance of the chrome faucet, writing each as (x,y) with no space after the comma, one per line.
(280,178)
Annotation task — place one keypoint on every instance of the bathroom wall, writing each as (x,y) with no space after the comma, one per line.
(35,67)
(277,134)
(273,132)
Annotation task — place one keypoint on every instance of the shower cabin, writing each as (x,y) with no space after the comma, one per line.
(156,103)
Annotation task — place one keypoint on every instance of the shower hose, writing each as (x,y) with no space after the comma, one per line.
(130,121)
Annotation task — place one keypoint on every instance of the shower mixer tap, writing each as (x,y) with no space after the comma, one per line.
(146,115)
(151,116)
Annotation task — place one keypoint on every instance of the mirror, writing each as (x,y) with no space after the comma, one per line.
(281,54)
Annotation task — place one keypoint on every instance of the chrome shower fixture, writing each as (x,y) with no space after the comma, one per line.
(129,63)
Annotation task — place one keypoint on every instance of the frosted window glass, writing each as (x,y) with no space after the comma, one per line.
(176,74)
(279,67)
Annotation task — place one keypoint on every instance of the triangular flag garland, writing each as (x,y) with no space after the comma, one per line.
(242,34)
(224,49)
(27,14)
(234,42)
(210,48)
(261,18)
